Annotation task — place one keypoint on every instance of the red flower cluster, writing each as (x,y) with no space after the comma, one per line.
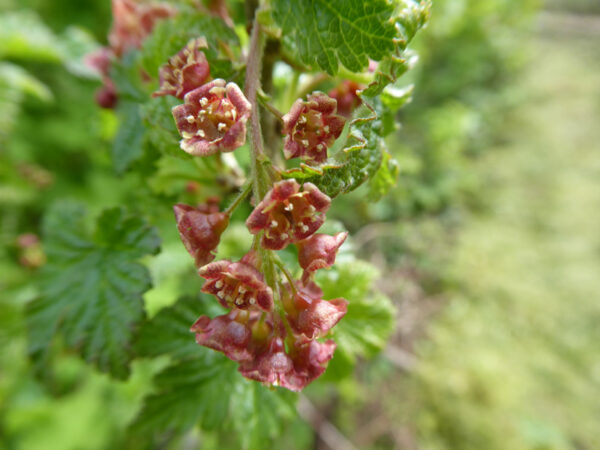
(255,335)
(272,345)
(288,215)
(213,118)
(185,71)
(311,127)
(133,21)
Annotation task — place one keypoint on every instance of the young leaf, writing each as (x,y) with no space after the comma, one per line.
(324,33)
(92,286)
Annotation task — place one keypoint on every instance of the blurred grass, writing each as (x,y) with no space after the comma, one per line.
(512,362)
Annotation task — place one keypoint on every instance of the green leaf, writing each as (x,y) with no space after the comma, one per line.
(127,146)
(170,36)
(168,333)
(202,386)
(365,328)
(325,33)
(92,286)
(385,178)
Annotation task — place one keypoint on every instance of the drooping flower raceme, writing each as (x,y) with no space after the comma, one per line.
(311,127)
(213,118)
(185,71)
(288,214)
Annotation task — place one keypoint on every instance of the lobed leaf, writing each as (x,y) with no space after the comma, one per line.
(92,286)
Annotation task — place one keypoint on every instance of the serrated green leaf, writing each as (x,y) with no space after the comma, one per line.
(325,33)
(170,36)
(127,146)
(204,387)
(365,328)
(92,286)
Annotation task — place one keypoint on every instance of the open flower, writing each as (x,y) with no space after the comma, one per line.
(200,230)
(237,284)
(311,127)
(319,251)
(307,312)
(213,118)
(185,71)
(287,214)
(309,359)
(303,363)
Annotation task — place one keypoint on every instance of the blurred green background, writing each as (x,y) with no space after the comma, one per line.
(489,245)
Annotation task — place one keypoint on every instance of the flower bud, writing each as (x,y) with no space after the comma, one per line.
(287,214)
(213,118)
(200,231)
(308,314)
(346,96)
(228,334)
(311,127)
(319,250)
(185,71)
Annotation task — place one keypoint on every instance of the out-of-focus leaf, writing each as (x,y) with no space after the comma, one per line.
(127,146)
(23,36)
(92,286)
(385,178)
(364,330)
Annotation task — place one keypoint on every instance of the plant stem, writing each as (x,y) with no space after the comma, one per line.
(253,68)
(239,199)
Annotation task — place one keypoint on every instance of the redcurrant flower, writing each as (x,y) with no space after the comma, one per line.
(311,127)
(319,250)
(200,230)
(185,71)
(271,365)
(308,313)
(287,214)
(133,22)
(237,284)
(213,118)
(346,96)
(230,334)
(310,359)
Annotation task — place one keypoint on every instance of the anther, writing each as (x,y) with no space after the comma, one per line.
(204,101)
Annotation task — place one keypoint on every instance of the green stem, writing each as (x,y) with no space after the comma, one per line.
(239,199)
